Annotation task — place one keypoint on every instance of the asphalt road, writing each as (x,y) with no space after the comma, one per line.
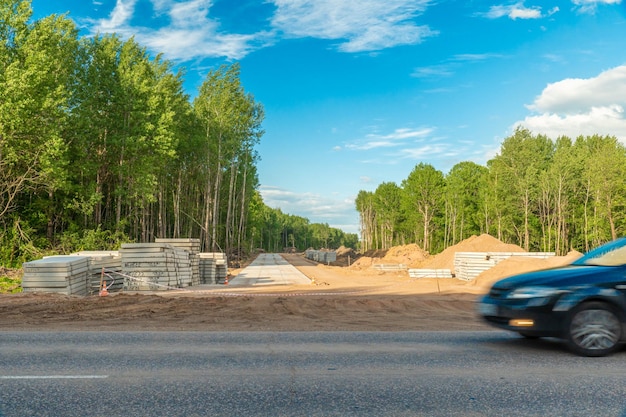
(303,374)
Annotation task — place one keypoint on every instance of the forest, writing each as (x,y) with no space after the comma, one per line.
(543,195)
(100,145)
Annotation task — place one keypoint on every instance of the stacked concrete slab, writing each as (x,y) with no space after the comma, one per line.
(111,263)
(430,273)
(389,267)
(207,268)
(192,246)
(323,256)
(154,266)
(213,267)
(57,274)
(468,265)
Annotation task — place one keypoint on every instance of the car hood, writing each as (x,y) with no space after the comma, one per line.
(564,276)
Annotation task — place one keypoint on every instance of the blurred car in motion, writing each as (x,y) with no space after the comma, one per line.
(583,303)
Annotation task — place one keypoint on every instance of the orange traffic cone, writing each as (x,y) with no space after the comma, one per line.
(226,280)
(104,291)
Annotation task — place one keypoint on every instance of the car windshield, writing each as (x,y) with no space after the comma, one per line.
(610,254)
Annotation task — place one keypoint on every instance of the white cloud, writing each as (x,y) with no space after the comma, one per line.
(516,11)
(190,33)
(336,212)
(579,95)
(590,6)
(598,120)
(367,25)
(394,139)
(419,153)
(450,66)
(119,17)
(442,70)
(577,106)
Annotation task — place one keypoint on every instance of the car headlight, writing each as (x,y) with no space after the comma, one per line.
(533,292)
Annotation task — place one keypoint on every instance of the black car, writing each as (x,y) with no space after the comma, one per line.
(583,303)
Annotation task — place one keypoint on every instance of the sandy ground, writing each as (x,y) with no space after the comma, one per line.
(340,298)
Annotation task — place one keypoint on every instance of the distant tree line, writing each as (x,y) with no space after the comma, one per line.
(99,145)
(541,194)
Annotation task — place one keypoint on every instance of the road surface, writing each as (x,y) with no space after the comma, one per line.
(269,269)
(302,374)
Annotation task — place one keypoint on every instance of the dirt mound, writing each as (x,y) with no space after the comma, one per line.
(343,251)
(375,253)
(409,255)
(345,256)
(415,257)
(482,243)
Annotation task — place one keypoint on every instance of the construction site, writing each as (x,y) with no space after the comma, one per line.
(403,288)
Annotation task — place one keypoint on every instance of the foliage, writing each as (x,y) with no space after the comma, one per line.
(551,196)
(10,285)
(99,146)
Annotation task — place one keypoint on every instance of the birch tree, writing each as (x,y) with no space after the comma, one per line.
(38,61)
(423,197)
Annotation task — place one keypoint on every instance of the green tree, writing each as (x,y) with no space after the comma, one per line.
(38,61)
(465,185)
(423,198)
(387,199)
(517,170)
(605,171)
(367,218)
(231,121)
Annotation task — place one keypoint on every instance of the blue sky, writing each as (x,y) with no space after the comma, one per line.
(356,93)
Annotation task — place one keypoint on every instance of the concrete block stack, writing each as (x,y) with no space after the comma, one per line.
(154,266)
(57,274)
(111,261)
(214,267)
(192,246)
(468,265)
(323,256)
(207,268)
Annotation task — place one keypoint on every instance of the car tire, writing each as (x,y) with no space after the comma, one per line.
(593,329)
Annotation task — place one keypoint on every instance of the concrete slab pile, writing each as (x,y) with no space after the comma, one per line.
(111,261)
(213,267)
(323,256)
(155,266)
(191,246)
(162,265)
(468,265)
(57,274)
(430,273)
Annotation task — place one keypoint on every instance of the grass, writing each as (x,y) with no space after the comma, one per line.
(10,281)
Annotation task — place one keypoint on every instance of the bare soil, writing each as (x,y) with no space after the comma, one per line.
(357,297)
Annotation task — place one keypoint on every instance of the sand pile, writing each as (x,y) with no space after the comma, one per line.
(411,255)
(482,243)
(415,257)
(343,251)
(345,256)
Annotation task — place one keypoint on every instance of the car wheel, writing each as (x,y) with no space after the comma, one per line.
(594,329)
